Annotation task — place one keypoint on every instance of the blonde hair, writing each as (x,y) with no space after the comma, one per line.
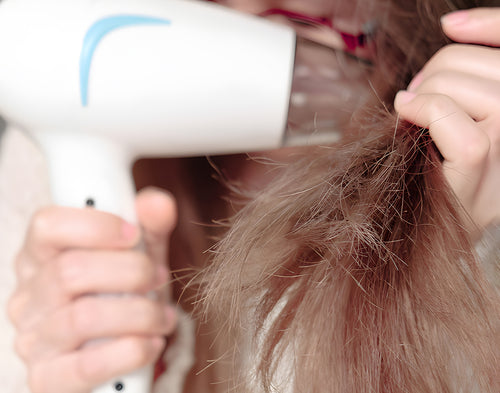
(354,267)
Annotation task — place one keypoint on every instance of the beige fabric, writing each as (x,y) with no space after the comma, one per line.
(179,358)
(23,190)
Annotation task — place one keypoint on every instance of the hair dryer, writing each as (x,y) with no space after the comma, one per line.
(99,83)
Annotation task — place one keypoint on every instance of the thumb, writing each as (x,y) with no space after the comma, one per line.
(157,215)
(473,26)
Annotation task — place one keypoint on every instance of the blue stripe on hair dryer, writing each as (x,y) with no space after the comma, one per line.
(99,83)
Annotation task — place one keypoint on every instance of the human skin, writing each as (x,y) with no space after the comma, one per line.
(69,252)
(456,96)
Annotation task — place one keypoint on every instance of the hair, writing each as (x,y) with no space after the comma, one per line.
(353,271)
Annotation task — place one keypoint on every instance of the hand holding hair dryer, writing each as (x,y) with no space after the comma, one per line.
(99,83)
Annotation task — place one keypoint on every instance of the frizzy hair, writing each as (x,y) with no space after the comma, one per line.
(353,271)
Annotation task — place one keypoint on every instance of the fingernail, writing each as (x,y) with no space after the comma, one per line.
(129,231)
(455,18)
(416,81)
(404,97)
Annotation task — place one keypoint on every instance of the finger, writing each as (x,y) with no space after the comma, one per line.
(477,25)
(83,370)
(460,140)
(466,59)
(157,213)
(56,228)
(82,272)
(479,97)
(76,273)
(94,318)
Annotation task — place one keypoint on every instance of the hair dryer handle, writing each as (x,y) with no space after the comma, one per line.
(86,170)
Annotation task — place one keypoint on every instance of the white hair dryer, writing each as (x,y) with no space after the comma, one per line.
(99,83)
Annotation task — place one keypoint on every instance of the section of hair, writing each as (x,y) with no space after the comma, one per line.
(363,252)
(354,269)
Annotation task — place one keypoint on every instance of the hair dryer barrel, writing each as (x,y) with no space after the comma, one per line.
(161,77)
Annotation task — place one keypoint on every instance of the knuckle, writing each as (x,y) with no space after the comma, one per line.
(436,82)
(22,346)
(439,105)
(15,306)
(476,149)
(41,223)
(448,54)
